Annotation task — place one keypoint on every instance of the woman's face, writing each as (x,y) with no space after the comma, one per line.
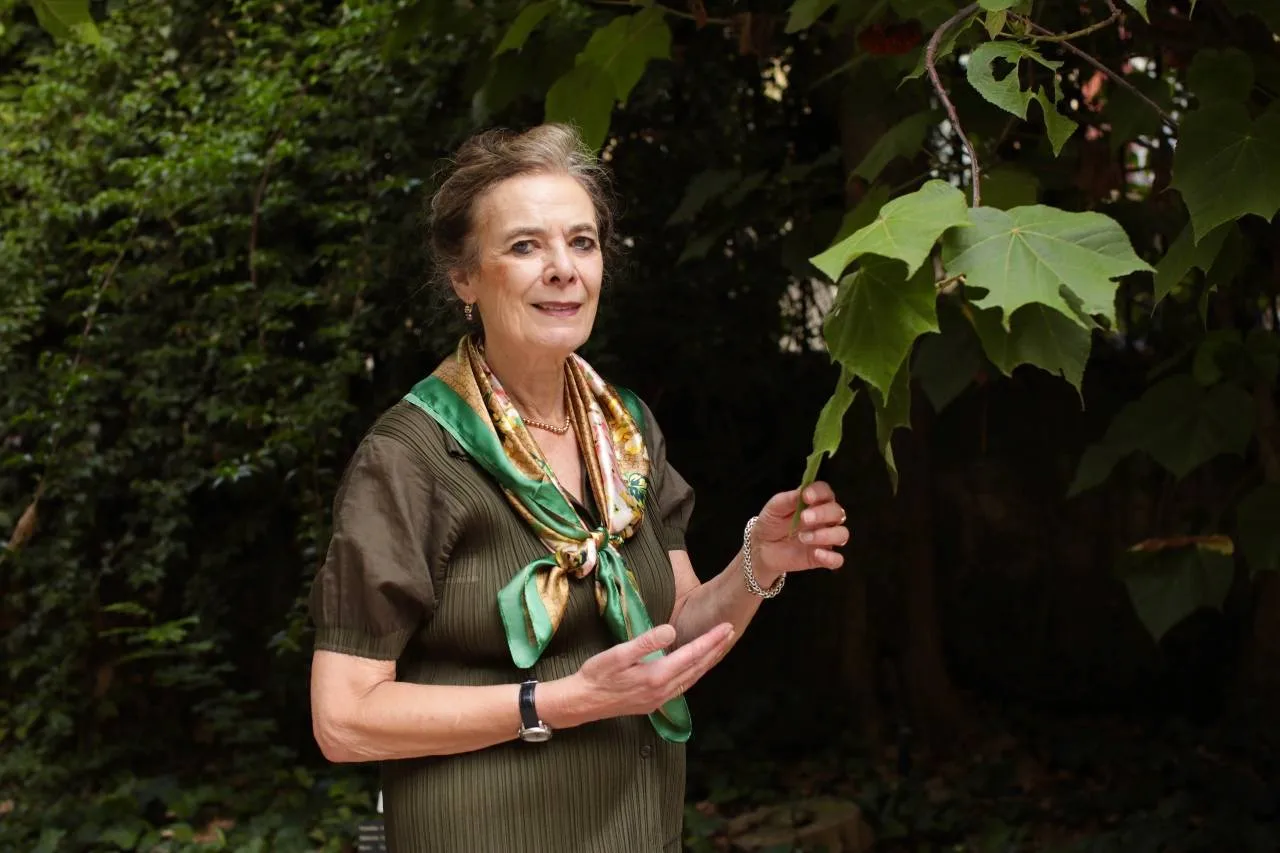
(536,280)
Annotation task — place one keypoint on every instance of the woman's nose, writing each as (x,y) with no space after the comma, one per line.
(560,269)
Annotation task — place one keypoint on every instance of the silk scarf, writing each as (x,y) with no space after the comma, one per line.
(465,397)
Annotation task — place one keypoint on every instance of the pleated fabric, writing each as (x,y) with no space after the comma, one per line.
(423,540)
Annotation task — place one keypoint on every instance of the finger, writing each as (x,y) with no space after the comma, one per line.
(637,649)
(783,504)
(828,514)
(681,680)
(827,559)
(799,558)
(827,537)
(691,652)
(818,492)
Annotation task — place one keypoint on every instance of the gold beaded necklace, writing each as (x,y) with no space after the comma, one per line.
(551,428)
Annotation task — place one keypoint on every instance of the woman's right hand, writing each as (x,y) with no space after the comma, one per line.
(619,682)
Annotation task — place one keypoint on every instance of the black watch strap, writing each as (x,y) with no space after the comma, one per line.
(528,712)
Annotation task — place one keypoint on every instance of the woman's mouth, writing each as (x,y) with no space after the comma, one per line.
(558,309)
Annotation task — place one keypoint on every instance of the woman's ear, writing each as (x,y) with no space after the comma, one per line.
(462,287)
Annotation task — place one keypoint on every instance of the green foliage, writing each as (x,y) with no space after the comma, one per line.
(67,19)
(1038,335)
(200,260)
(1224,166)
(1179,423)
(906,229)
(608,68)
(211,237)
(1167,582)
(1066,261)
(879,311)
(830,426)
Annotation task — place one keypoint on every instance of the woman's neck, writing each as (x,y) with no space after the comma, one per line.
(535,385)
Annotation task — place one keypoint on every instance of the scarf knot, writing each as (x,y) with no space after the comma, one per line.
(581,558)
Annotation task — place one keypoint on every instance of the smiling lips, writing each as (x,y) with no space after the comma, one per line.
(558,309)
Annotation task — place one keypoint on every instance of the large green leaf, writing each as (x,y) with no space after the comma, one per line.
(1006,92)
(703,188)
(1186,253)
(67,19)
(906,228)
(805,13)
(1033,254)
(828,431)
(863,213)
(1221,75)
(902,140)
(1168,585)
(945,363)
(1258,528)
(624,46)
(1226,166)
(893,411)
(878,314)
(528,19)
(583,97)
(1177,422)
(1037,335)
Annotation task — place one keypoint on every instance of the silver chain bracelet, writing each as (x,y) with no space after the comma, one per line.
(749,575)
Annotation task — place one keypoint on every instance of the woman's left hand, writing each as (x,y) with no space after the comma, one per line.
(778,550)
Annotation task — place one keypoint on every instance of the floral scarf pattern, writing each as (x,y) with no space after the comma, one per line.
(466,398)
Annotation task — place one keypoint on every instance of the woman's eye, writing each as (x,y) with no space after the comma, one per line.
(584,243)
(523,247)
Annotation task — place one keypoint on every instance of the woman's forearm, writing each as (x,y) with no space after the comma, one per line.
(724,598)
(394,720)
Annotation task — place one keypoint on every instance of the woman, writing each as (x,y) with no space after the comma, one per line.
(507,595)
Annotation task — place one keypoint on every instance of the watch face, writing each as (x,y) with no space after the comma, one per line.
(536,734)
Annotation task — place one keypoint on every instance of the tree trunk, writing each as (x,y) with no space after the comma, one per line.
(935,709)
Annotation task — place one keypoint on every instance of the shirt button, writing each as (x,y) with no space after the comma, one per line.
(646,751)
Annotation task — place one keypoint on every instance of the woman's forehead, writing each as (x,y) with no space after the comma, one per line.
(538,202)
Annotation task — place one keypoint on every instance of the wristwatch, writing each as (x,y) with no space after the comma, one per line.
(532,729)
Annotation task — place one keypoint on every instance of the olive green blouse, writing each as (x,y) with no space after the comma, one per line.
(422,541)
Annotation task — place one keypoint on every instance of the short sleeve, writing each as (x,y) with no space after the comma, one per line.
(374,589)
(672,494)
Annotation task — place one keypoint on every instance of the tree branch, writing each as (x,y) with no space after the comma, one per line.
(1092,28)
(931,65)
(1113,76)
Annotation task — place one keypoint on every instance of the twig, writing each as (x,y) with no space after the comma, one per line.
(948,284)
(931,65)
(26,524)
(1114,77)
(1092,28)
(698,19)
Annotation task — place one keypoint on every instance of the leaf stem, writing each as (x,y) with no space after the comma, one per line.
(931,65)
(1114,77)
(1065,37)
